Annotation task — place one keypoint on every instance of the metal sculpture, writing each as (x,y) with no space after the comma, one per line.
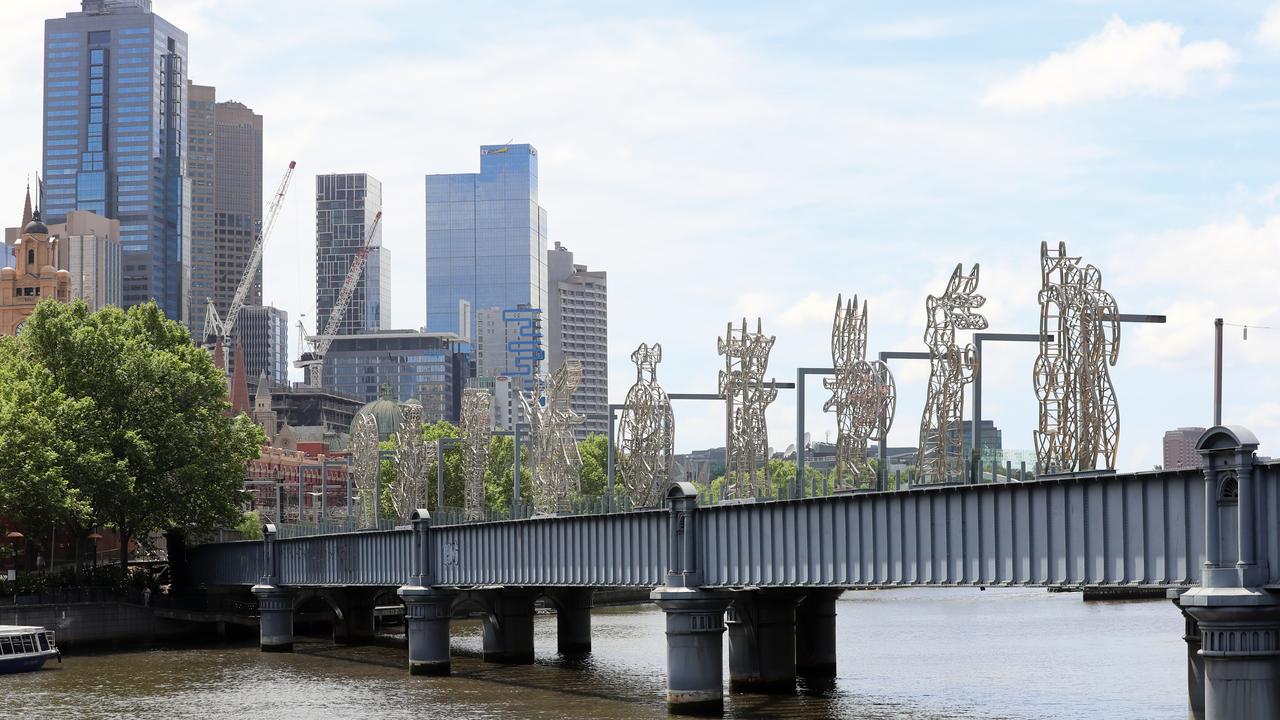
(364,452)
(556,464)
(413,458)
(477,421)
(646,433)
(1079,413)
(746,358)
(863,396)
(941,454)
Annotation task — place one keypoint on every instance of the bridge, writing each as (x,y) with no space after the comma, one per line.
(769,572)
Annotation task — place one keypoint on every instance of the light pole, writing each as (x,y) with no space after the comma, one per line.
(1217,371)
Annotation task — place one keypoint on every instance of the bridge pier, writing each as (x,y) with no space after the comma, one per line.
(573,620)
(816,636)
(1240,651)
(426,614)
(508,626)
(1195,663)
(275,621)
(695,650)
(762,641)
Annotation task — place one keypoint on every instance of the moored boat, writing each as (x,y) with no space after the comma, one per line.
(25,648)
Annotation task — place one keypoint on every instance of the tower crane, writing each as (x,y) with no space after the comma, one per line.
(215,327)
(313,360)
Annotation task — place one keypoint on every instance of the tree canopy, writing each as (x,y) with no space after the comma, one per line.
(121,422)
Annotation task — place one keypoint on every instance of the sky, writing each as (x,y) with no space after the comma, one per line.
(751,159)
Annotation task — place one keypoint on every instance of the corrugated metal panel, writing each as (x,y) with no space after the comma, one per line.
(622,549)
(1143,529)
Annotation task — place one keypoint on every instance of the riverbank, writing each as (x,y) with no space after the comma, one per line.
(105,624)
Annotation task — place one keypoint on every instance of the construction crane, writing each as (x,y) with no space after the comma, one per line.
(312,360)
(215,328)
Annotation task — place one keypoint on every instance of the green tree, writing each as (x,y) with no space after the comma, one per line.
(154,447)
(499,475)
(594,450)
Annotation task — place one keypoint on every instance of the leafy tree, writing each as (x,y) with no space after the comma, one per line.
(499,475)
(594,450)
(154,447)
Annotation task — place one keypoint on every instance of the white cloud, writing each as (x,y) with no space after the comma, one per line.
(1122,60)
(1268,34)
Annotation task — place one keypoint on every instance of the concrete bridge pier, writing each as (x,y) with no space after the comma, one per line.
(508,625)
(1195,663)
(275,623)
(695,649)
(816,636)
(573,620)
(427,614)
(762,641)
(1240,650)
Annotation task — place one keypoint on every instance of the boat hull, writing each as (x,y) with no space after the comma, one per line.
(25,663)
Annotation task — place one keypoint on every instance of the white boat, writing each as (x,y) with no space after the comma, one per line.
(25,648)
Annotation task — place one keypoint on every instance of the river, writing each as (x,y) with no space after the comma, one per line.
(913,653)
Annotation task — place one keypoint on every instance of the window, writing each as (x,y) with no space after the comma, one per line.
(63,74)
(99,37)
(64,84)
(63,45)
(97,57)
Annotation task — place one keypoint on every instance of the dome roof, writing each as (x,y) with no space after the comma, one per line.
(385,411)
(35,227)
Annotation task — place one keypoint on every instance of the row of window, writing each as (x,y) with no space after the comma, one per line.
(26,643)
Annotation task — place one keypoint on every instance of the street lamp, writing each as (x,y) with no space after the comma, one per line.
(13,536)
(94,537)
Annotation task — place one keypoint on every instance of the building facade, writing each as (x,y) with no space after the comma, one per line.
(32,278)
(115,139)
(990,439)
(416,365)
(89,250)
(225,167)
(1180,448)
(346,205)
(486,237)
(578,327)
(262,334)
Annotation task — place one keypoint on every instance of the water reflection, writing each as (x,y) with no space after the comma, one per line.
(915,654)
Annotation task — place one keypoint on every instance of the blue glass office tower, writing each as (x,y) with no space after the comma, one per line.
(115,138)
(486,237)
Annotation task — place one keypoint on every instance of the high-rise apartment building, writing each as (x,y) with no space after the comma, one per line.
(115,139)
(578,327)
(89,249)
(346,205)
(1180,448)
(262,334)
(225,167)
(486,237)
(415,365)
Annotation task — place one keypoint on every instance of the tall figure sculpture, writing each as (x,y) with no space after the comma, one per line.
(646,433)
(477,421)
(413,458)
(557,466)
(941,453)
(862,395)
(1079,413)
(746,358)
(364,451)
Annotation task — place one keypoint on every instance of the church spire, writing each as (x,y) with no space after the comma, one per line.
(26,207)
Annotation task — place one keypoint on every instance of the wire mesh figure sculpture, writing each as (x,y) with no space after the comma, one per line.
(746,358)
(863,396)
(941,454)
(646,433)
(477,421)
(556,464)
(364,452)
(1079,412)
(413,458)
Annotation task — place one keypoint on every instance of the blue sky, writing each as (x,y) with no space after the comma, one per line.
(758,158)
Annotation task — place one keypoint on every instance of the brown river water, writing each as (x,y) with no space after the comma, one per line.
(915,653)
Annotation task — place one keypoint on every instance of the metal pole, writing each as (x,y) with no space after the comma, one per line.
(799,433)
(439,474)
(974,433)
(348,474)
(324,490)
(1217,371)
(609,461)
(515,461)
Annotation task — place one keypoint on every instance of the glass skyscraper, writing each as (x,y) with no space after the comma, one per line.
(115,139)
(486,237)
(346,205)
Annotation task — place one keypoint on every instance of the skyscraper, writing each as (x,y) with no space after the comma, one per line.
(1180,448)
(262,334)
(486,237)
(115,139)
(89,249)
(225,166)
(578,327)
(345,208)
